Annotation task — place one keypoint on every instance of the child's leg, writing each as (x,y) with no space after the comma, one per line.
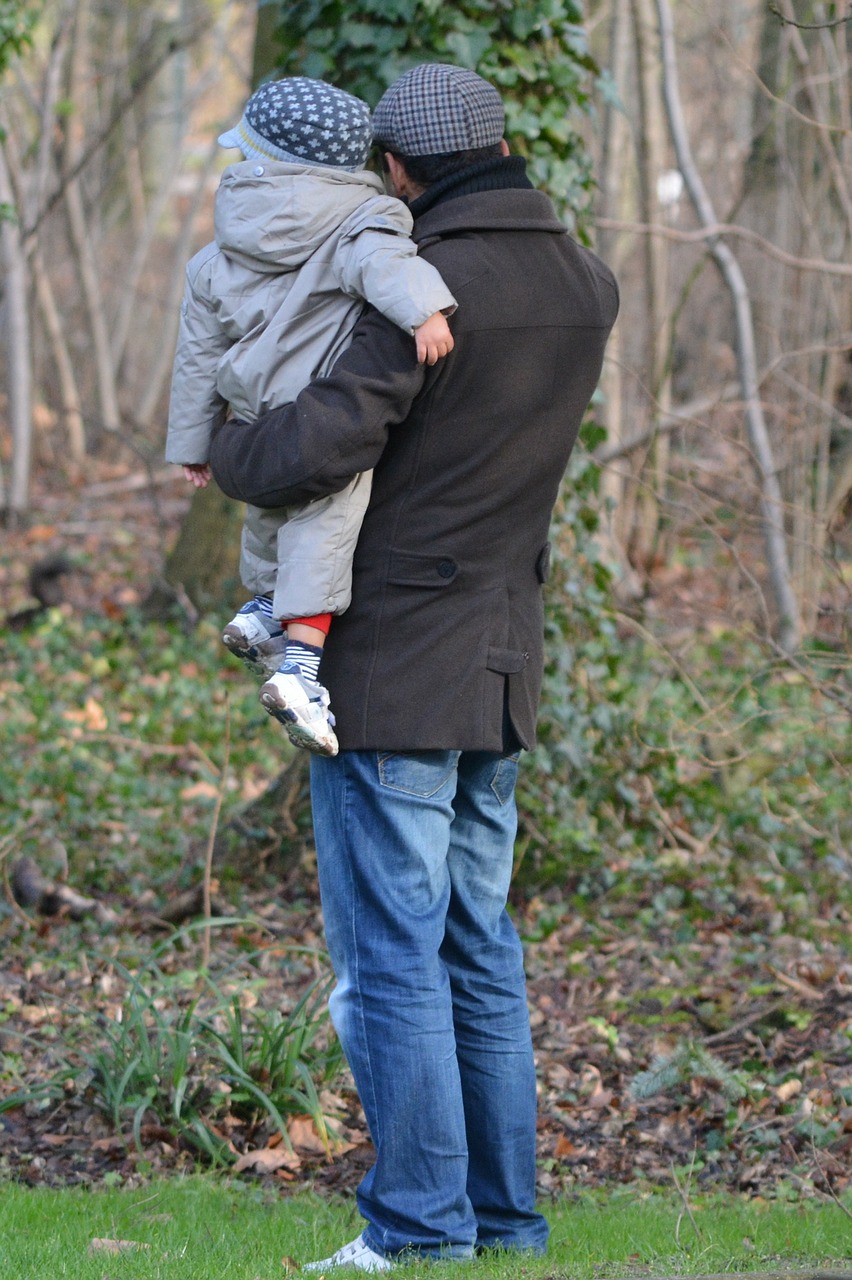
(294,694)
(305,641)
(254,635)
(315,548)
(308,630)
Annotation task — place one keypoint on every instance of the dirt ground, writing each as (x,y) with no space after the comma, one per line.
(606,1001)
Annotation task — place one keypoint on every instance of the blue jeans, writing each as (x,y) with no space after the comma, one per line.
(415,857)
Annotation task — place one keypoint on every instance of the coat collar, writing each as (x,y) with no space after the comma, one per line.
(501,210)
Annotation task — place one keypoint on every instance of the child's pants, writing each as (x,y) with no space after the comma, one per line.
(302,556)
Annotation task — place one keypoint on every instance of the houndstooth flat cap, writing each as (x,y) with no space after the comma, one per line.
(437,108)
(303,121)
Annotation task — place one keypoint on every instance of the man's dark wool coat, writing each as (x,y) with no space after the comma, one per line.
(446,625)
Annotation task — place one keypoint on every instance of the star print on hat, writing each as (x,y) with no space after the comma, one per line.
(302,121)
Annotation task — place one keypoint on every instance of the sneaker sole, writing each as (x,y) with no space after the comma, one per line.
(258,662)
(299,734)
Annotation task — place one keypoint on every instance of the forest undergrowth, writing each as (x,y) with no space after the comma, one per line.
(683,889)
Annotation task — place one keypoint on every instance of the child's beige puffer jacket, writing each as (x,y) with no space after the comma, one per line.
(269,306)
(272,303)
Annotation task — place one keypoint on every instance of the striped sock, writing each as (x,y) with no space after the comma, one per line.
(264,605)
(305,656)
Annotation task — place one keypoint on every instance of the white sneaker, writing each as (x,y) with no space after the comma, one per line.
(356,1254)
(302,707)
(256,639)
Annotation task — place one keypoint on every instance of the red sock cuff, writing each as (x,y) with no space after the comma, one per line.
(322,622)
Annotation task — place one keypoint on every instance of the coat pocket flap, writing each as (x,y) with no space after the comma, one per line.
(421,569)
(506,661)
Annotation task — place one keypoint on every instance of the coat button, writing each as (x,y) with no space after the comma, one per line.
(446,568)
(259,171)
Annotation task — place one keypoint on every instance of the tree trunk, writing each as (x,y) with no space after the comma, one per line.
(273,828)
(85,250)
(160,371)
(772,510)
(651,142)
(17,351)
(614,249)
(203,568)
(205,559)
(72,409)
(796,196)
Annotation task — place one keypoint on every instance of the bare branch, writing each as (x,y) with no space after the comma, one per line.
(690,413)
(835,166)
(728,229)
(810,26)
(179,41)
(821,125)
(679,416)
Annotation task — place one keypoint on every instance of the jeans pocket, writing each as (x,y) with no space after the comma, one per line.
(505,777)
(417,773)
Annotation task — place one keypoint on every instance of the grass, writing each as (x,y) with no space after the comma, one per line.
(195,1229)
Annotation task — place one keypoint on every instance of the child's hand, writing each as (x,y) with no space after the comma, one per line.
(198,474)
(433,339)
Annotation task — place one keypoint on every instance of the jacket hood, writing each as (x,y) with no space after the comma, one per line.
(272,216)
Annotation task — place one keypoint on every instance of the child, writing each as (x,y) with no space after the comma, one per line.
(304,235)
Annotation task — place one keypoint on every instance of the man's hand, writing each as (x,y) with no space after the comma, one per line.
(197,473)
(433,339)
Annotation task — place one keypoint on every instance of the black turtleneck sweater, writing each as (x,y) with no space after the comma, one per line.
(498,174)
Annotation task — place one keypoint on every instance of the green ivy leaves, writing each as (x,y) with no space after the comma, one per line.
(536,54)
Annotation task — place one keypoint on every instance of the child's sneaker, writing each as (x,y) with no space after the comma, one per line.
(302,707)
(256,639)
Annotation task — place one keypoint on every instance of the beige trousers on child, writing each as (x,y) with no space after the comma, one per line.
(302,556)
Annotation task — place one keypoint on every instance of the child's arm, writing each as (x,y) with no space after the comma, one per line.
(434,339)
(376,260)
(195,406)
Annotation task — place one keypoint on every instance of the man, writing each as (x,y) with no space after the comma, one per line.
(435,669)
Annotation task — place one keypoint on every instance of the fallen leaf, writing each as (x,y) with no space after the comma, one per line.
(115,1246)
(91,716)
(565,1149)
(155,1133)
(107,1144)
(332,1104)
(198,790)
(303,1133)
(35,1014)
(267,1160)
(41,533)
(599,1098)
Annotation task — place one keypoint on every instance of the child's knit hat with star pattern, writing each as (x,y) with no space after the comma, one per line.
(302,121)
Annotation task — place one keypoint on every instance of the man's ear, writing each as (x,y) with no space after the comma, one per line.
(397,174)
(504,147)
(403,186)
